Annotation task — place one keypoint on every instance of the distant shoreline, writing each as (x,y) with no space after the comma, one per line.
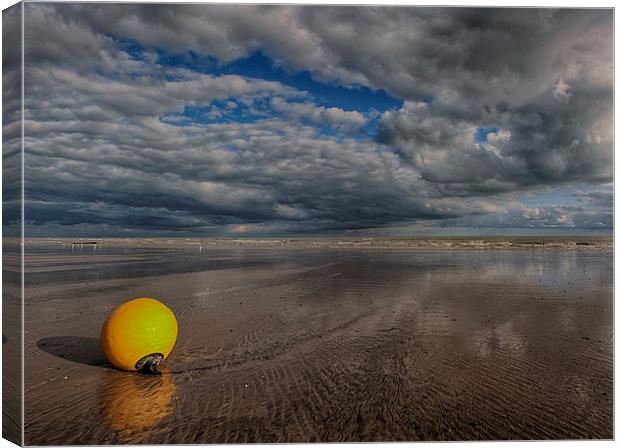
(395,243)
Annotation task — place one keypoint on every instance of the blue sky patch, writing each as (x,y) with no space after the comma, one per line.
(260,65)
(481,134)
(219,111)
(358,98)
(567,195)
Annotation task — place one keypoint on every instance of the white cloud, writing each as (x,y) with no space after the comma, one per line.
(333,116)
(560,91)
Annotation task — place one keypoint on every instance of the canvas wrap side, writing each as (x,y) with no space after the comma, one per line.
(12,230)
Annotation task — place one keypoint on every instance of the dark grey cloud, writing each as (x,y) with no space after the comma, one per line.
(105,146)
(11,124)
(472,54)
(545,142)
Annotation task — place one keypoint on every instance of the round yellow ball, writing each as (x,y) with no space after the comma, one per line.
(136,329)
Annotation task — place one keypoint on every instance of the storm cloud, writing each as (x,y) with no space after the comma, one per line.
(145,119)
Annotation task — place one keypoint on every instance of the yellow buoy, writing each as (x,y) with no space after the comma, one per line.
(139,335)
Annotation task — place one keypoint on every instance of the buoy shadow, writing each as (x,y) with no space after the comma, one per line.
(83,350)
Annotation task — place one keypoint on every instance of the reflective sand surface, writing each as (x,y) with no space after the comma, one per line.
(281,344)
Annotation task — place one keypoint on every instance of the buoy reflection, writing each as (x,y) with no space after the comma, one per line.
(134,404)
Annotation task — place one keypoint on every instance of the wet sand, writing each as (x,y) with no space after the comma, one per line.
(290,342)
(11,343)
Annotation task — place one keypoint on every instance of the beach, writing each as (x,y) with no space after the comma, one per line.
(325,340)
(11,341)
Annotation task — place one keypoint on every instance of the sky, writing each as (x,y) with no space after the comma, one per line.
(223,120)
